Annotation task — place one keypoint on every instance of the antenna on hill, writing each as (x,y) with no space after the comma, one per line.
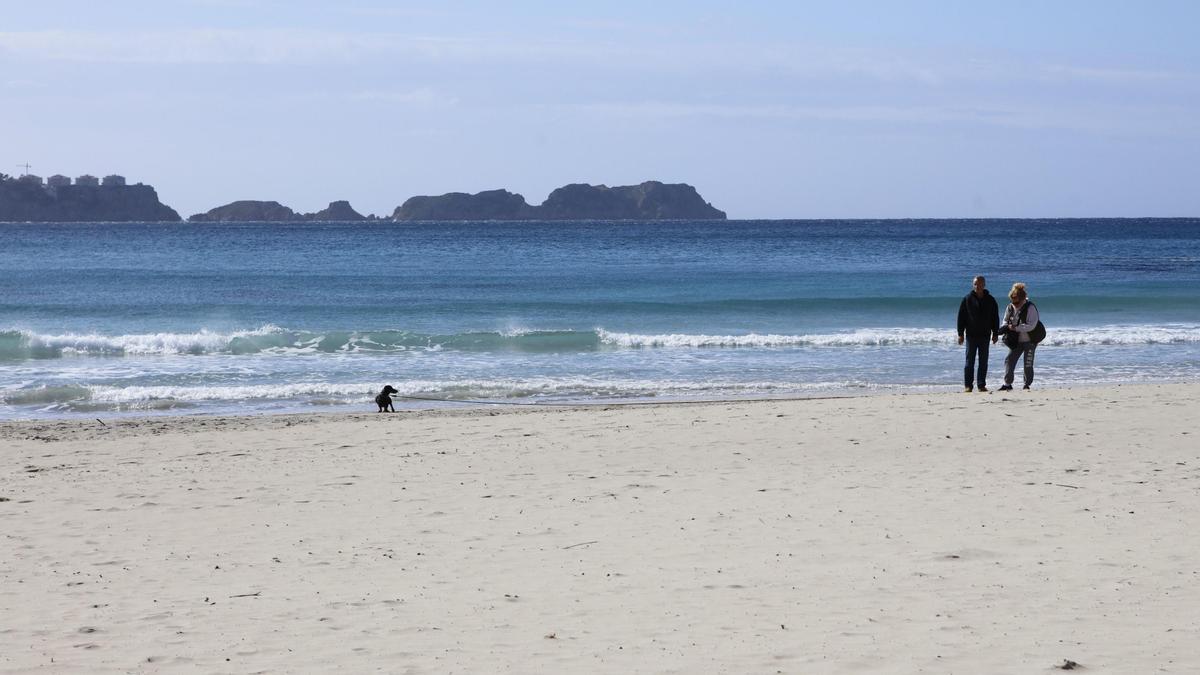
(27,167)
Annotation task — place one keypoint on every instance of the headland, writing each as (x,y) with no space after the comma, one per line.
(86,199)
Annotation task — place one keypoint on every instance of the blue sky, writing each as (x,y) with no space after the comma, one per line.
(771,109)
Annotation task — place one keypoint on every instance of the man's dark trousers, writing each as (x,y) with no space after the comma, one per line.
(975,344)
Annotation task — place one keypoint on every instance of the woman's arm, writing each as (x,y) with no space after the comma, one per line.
(1031,320)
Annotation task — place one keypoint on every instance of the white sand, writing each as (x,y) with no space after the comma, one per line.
(914,533)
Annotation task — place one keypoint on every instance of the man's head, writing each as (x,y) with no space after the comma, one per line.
(979,284)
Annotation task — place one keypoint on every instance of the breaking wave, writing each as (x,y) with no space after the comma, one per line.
(103,397)
(270,339)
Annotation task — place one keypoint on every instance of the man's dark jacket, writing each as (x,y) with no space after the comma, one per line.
(979,317)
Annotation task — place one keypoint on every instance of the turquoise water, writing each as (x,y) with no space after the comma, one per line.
(254,317)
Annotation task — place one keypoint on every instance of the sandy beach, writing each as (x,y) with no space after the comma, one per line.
(940,533)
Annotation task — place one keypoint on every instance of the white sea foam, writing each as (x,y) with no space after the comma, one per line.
(95,397)
(199,342)
(271,340)
(858,338)
(136,394)
(884,337)
(1131,334)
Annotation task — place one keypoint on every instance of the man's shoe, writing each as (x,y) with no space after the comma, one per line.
(1026,387)
(1006,387)
(983,388)
(967,390)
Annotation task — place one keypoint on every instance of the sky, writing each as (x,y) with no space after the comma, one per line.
(771,110)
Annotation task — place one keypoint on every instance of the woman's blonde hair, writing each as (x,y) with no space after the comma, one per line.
(1018,291)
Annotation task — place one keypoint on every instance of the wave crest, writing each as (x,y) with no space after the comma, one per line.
(858,338)
(522,390)
(273,340)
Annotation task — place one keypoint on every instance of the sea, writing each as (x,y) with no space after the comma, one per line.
(113,319)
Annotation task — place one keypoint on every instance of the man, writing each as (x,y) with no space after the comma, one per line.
(978,319)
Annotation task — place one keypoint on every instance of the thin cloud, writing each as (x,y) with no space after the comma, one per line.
(25,84)
(1150,120)
(845,113)
(307,46)
(279,46)
(708,59)
(188,46)
(403,12)
(235,4)
(1113,75)
(421,97)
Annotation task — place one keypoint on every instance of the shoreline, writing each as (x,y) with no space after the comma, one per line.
(431,404)
(942,532)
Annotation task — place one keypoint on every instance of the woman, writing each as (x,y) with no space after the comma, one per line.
(1020,318)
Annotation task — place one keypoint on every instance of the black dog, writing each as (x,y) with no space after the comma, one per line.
(384,401)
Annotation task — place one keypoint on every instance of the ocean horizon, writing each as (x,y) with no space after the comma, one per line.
(242,318)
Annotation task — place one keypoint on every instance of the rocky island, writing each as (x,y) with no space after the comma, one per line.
(89,199)
(651,200)
(487,205)
(28,199)
(251,211)
(339,211)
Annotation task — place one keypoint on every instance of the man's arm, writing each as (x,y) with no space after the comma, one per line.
(995,321)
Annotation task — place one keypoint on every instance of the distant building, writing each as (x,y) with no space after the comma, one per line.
(87,179)
(114,180)
(58,180)
(30,178)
